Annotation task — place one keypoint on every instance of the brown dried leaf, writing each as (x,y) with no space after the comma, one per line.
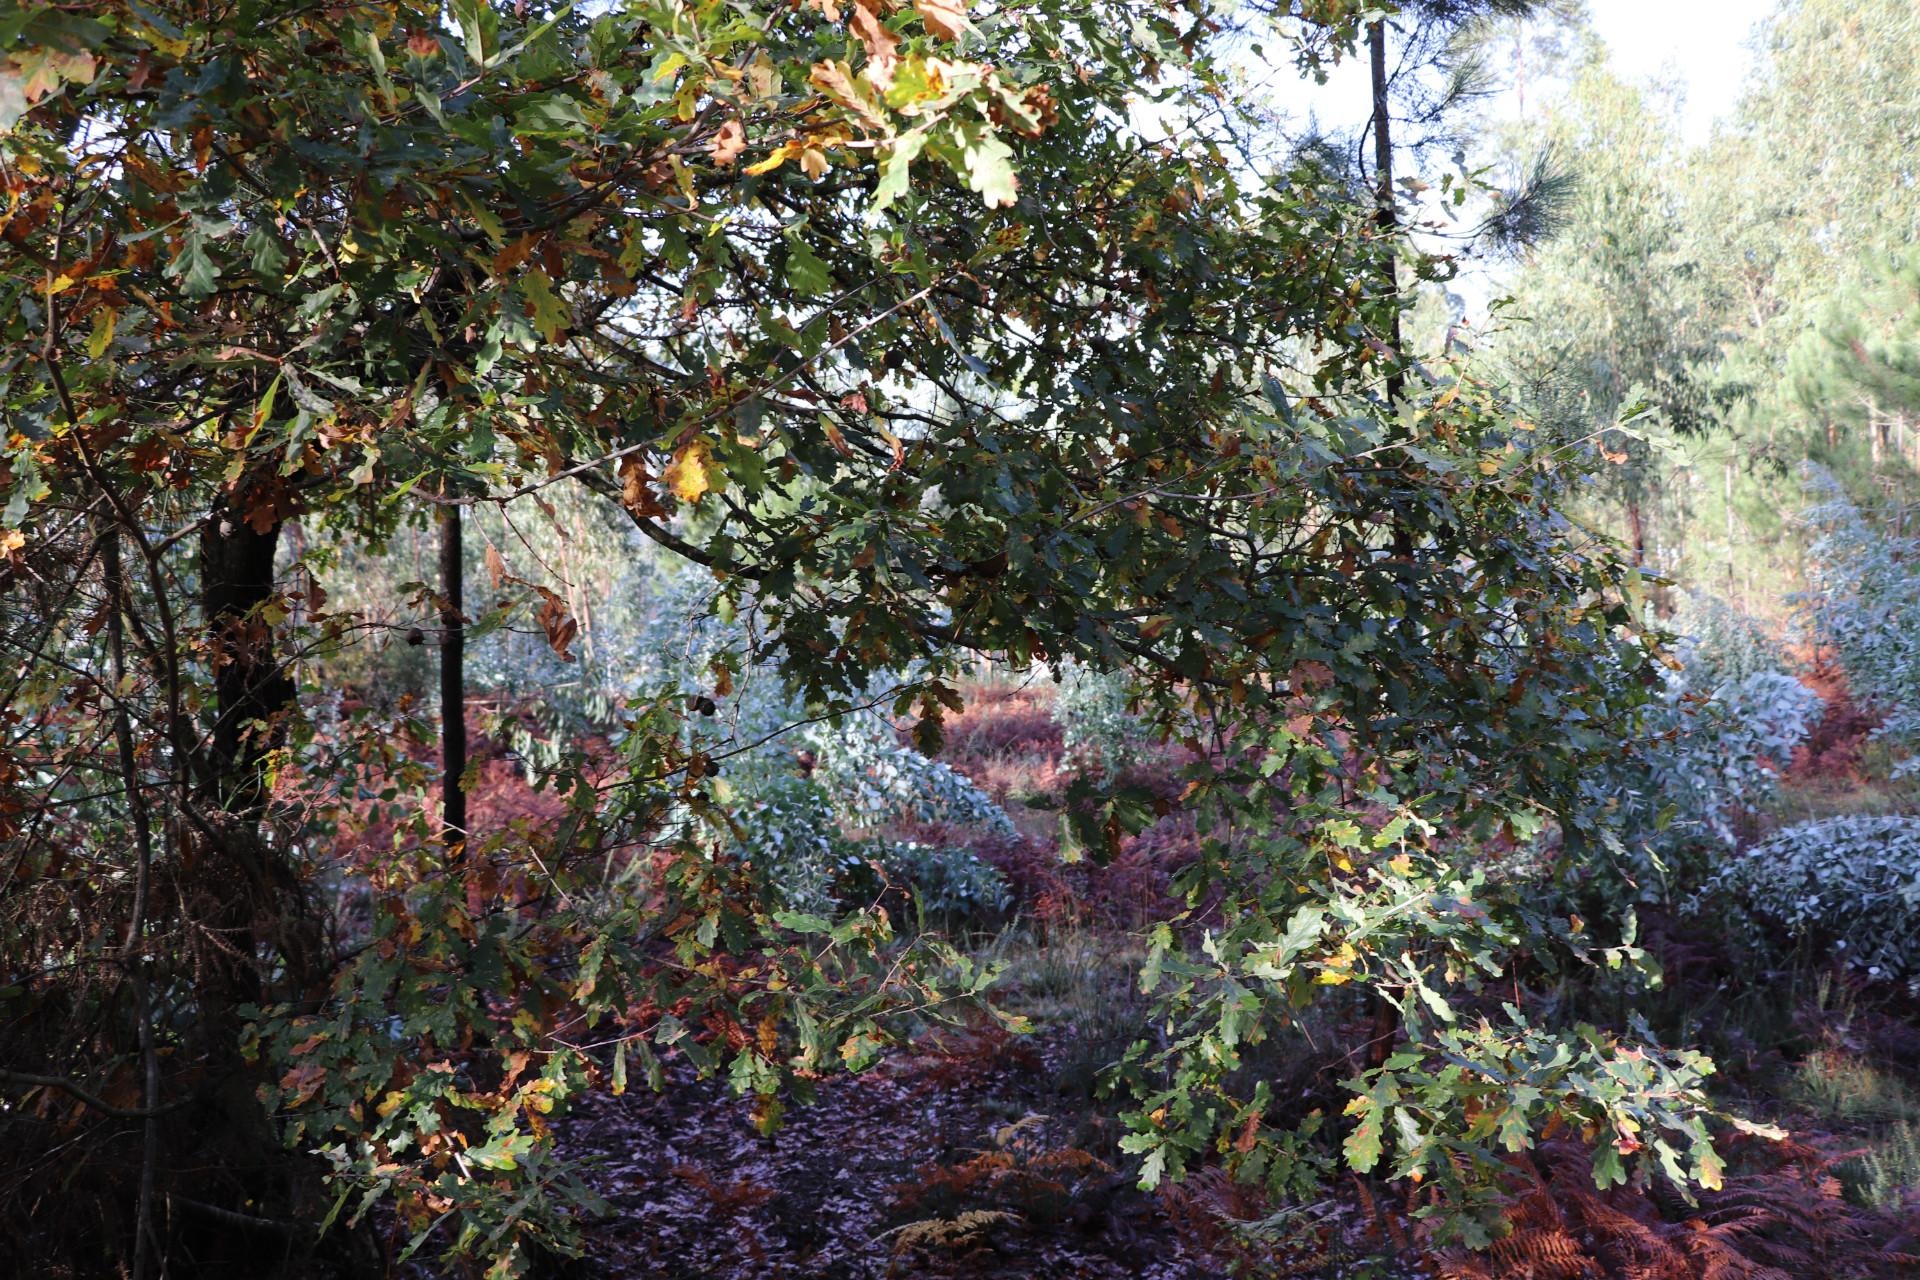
(558,623)
(881,44)
(636,489)
(945,18)
(728,143)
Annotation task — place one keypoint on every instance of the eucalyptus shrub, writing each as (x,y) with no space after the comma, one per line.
(1712,745)
(1729,749)
(1096,728)
(1850,884)
(792,829)
(1863,600)
(1721,645)
(950,885)
(814,794)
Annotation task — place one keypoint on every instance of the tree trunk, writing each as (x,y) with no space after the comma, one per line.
(250,689)
(1637,529)
(244,887)
(1385,213)
(1727,494)
(261,900)
(1386,1019)
(453,680)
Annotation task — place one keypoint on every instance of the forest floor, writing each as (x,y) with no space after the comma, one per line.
(976,1153)
(962,1160)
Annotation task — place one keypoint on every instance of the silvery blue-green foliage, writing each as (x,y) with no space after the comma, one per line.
(1849,883)
(815,837)
(604,570)
(876,780)
(1720,645)
(949,884)
(1728,750)
(791,828)
(1864,601)
(1713,744)
(1096,728)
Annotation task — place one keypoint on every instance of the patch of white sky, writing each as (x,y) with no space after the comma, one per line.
(1699,53)
(1702,48)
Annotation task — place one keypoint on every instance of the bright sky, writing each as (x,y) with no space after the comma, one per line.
(1703,42)
(1700,44)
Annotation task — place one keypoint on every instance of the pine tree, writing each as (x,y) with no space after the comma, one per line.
(1860,369)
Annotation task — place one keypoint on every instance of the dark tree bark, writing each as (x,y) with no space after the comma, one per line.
(243,888)
(1386,1020)
(1385,213)
(453,681)
(251,691)
(261,899)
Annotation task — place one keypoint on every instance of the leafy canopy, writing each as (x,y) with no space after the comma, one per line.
(902,325)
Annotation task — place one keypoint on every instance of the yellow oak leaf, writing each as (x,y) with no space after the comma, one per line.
(692,472)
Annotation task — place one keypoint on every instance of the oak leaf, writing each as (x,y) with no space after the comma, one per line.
(559,624)
(636,489)
(728,143)
(881,44)
(692,472)
(945,18)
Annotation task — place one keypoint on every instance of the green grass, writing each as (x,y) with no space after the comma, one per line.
(1847,1090)
(1872,1110)
(1888,1169)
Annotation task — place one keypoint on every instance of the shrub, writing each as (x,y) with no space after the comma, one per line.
(1722,645)
(1729,754)
(949,884)
(790,834)
(1864,602)
(1712,747)
(1851,883)
(1097,728)
(875,780)
(793,834)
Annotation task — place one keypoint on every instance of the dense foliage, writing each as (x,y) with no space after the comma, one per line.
(819,352)
(1864,602)
(1716,742)
(1846,883)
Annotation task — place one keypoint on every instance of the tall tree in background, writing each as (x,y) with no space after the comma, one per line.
(1858,372)
(1802,204)
(1428,72)
(1605,312)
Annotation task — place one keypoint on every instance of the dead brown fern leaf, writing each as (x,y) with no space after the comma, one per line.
(1784,1219)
